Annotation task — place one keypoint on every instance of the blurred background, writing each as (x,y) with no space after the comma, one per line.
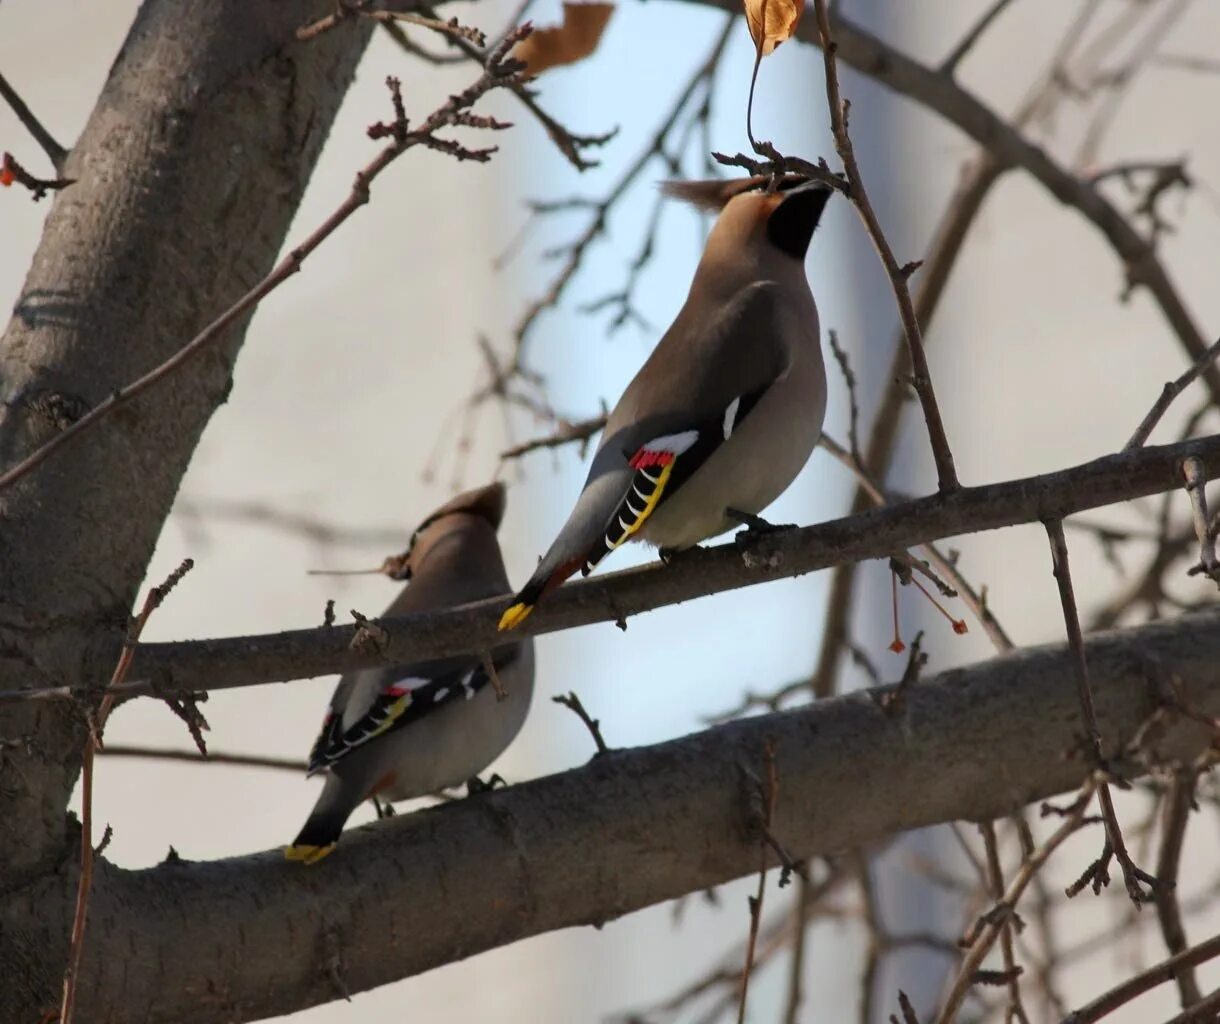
(318,463)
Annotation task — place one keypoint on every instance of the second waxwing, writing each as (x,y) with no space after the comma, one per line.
(412,730)
(729,406)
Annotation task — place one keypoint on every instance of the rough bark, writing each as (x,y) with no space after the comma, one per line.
(244,661)
(188,174)
(253,936)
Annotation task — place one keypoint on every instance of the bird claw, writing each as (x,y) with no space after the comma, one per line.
(476,785)
(755,526)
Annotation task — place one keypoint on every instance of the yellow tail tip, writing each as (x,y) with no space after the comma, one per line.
(304,854)
(514,616)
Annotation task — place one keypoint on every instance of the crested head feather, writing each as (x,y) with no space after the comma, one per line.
(483,503)
(713,194)
(487,502)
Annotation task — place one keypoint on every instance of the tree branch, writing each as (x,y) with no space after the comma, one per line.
(500,71)
(54,151)
(898,275)
(1171,391)
(193,666)
(586,846)
(1165,971)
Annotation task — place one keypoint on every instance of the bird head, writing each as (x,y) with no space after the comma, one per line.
(479,507)
(751,212)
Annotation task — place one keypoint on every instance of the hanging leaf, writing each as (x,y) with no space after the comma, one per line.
(772,22)
(574,40)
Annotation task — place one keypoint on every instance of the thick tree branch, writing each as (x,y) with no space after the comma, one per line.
(586,846)
(193,666)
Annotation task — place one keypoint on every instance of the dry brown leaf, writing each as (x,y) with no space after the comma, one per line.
(578,36)
(772,22)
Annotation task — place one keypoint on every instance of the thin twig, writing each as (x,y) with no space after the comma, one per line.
(11,171)
(93,742)
(1171,391)
(968,41)
(211,757)
(978,177)
(899,275)
(1196,488)
(573,704)
(656,148)
(566,432)
(769,795)
(995,879)
(1165,971)
(849,379)
(796,964)
(499,72)
(54,151)
(975,600)
(1178,803)
(988,934)
(1115,845)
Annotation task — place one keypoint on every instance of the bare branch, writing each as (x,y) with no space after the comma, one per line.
(573,704)
(11,171)
(93,742)
(768,796)
(54,151)
(1171,391)
(575,250)
(1165,971)
(1178,804)
(211,757)
(995,881)
(639,807)
(898,275)
(567,432)
(194,666)
(1097,873)
(995,920)
(967,43)
(1196,480)
(498,73)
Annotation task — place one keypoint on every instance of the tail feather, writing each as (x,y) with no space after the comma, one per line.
(527,598)
(316,839)
(322,828)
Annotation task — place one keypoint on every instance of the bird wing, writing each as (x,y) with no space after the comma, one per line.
(402,696)
(701,382)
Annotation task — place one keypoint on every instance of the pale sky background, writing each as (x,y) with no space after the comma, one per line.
(351,374)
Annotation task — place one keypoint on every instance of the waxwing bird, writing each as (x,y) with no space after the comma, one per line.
(729,406)
(411,730)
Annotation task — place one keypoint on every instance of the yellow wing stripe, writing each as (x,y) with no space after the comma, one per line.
(649,506)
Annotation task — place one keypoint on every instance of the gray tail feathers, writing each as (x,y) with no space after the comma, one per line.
(325,822)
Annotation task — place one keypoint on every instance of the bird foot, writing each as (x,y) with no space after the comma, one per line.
(755,526)
(384,808)
(476,785)
(668,555)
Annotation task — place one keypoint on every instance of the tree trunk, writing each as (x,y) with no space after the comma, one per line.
(188,175)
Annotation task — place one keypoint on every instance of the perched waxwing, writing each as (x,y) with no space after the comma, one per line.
(412,730)
(729,406)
